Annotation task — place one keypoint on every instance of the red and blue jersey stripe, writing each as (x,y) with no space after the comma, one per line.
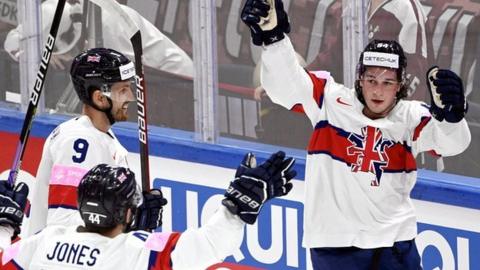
(338,143)
(161,260)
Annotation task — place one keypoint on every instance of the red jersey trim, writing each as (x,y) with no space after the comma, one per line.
(318,88)
(318,91)
(162,260)
(11,265)
(60,196)
(298,108)
(423,122)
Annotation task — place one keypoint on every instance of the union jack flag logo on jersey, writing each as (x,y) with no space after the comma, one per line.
(369,148)
(93,58)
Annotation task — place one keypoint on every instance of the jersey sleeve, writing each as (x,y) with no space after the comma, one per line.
(288,84)
(159,247)
(6,233)
(441,137)
(18,255)
(209,244)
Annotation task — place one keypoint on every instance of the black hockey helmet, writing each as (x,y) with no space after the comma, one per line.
(104,195)
(384,53)
(99,68)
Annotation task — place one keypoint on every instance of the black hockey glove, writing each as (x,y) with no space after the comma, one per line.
(446,92)
(148,216)
(267,20)
(253,186)
(12,205)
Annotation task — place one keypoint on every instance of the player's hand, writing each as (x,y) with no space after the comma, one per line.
(148,216)
(12,205)
(253,186)
(267,20)
(446,91)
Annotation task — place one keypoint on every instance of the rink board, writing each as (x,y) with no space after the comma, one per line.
(195,175)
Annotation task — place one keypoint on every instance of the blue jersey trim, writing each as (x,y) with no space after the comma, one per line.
(64,206)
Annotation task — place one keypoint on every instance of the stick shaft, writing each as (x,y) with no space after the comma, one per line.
(136,41)
(37,91)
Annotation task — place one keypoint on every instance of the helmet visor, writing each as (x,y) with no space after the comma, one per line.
(123,91)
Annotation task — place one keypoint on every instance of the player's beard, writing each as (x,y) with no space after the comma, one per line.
(121,114)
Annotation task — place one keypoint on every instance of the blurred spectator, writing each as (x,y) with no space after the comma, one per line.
(67,37)
(9,79)
(164,58)
(159,51)
(454,28)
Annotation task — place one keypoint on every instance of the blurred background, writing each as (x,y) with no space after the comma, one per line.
(327,35)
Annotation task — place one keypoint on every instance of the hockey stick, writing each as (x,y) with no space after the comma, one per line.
(37,91)
(136,39)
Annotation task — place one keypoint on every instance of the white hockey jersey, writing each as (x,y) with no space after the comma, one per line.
(72,149)
(60,247)
(359,172)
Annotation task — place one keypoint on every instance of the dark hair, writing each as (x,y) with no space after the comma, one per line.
(384,46)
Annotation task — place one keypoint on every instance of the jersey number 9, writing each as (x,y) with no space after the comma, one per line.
(81,147)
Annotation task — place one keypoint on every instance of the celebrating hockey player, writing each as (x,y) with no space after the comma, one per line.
(361,158)
(107,199)
(104,81)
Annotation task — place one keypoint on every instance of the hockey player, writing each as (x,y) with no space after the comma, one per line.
(361,158)
(103,80)
(107,197)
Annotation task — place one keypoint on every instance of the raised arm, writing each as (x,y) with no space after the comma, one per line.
(247,193)
(446,132)
(282,77)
